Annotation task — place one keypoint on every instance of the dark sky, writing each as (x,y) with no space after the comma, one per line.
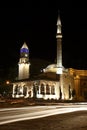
(35,23)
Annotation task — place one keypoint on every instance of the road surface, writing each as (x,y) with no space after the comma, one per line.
(9,115)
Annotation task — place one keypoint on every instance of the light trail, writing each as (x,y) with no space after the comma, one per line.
(28,113)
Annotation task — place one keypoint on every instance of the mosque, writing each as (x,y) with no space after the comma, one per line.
(56,82)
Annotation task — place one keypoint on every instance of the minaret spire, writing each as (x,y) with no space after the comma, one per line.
(59,25)
(59,45)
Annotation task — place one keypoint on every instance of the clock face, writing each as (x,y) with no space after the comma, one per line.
(24,50)
(26,55)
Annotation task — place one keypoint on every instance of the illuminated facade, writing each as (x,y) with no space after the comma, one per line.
(55,82)
(80,83)
(24,64)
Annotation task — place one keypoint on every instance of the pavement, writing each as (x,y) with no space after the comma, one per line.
(68,121)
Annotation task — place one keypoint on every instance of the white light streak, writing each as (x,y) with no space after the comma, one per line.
(28,113)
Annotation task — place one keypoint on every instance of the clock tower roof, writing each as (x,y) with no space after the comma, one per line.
(24,46)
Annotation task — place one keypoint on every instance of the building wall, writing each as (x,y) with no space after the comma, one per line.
(23,71)
(46,89)
(80,83)
(68,85)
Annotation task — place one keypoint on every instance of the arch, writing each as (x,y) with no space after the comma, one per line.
(47,89)
(16,89)
(52,89)
(42,88)
(24,90)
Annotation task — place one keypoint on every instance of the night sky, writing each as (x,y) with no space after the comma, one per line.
(35,23)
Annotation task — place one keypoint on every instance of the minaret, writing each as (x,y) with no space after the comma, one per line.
(24,64)
(59,46)
(59,57)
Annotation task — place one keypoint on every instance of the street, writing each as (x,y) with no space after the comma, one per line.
(9,115)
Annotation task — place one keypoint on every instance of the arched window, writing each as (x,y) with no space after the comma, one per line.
(24,90)
(38,89)
(16,89)
(42,88)
(52,90)
(47,89)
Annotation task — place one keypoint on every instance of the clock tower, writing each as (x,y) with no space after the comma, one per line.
(23,64)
